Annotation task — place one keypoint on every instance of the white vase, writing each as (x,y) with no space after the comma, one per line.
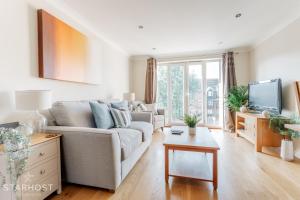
(243,109)
(265,114)
(192,131)
(287,150)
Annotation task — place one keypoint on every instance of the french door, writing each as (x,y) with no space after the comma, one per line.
(191,88)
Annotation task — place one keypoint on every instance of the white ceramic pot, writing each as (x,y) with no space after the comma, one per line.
(287,150)
(265,114)
(243,109)
(192,131)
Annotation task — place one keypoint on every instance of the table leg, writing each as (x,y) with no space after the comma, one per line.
(166,164)
(215,170)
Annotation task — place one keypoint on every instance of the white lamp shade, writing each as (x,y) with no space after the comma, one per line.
(129,96)
(33,99)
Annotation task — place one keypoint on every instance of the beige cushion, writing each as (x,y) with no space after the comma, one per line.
(152,107)
(144,127)
(130,141)
(73,113)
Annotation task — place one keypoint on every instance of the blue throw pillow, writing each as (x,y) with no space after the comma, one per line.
(121,105)
(102,115)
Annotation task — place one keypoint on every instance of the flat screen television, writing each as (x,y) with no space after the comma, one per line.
(265,95)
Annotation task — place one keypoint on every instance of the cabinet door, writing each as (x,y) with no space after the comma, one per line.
(250,124)
(5,192)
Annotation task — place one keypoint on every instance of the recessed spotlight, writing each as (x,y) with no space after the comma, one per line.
(238,15)
(140,27)
(154,48)
(220,43)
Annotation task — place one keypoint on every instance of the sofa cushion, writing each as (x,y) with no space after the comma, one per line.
(145,127)
(73,113)
(121,105)
(102,115)
(130,141)
(122,118)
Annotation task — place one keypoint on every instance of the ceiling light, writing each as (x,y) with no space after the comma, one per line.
(238,15)
(219,43)
(153,48)
(140,27)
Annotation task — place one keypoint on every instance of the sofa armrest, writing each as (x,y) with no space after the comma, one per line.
(142,116)
(161,111)
(91,156)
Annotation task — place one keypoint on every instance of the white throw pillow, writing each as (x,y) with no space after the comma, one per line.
(152,107)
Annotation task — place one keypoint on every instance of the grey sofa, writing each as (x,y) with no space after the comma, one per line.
(97,157)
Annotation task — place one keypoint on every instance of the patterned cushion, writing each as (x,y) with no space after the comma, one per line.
(102,116)
(122,118)
(139,107)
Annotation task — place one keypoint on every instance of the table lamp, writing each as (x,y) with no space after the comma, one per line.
(130,97)
(34,100)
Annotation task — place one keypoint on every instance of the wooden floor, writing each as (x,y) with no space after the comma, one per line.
(243,174)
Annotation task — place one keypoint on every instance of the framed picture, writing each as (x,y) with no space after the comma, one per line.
(65,53)
(297,93)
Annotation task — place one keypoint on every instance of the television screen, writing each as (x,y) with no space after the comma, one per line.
(265,95)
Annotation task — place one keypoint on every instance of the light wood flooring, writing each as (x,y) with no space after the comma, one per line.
(243,174)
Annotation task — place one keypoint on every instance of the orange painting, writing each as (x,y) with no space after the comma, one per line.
(63,51)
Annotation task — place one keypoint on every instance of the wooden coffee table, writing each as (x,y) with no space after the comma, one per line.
(201,142)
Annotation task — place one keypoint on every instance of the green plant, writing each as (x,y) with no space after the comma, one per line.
(237,97)
(277,123)
(191,120)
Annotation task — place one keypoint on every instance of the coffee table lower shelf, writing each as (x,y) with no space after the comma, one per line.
(190,177)
(204,150)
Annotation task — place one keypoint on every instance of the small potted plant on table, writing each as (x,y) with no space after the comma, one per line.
(277,123)
(191,121)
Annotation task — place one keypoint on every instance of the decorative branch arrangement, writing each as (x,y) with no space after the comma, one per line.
(277,123)
(16,148)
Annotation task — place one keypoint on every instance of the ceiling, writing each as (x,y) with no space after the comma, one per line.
(185,26)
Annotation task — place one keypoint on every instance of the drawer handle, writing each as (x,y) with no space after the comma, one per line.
(42,154)
(42,171)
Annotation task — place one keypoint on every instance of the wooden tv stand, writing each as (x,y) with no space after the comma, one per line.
(255,128)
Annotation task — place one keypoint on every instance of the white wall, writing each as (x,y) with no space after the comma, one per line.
(19,61)
(279,57)
(138,69)
(139,65)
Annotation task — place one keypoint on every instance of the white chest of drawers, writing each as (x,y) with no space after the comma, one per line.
(42,175)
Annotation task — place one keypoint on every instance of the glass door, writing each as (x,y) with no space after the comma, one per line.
(214,104)
(195,98)
(176,91)
(191,88)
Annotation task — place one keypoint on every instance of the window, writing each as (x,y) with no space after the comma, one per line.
(191,87)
